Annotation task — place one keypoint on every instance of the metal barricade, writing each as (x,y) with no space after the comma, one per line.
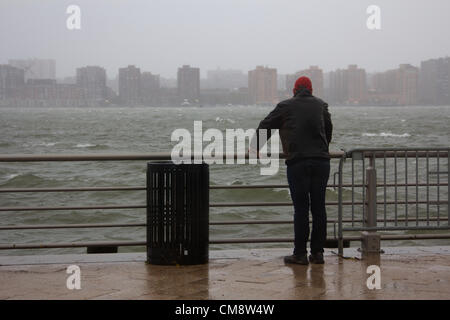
(393,189)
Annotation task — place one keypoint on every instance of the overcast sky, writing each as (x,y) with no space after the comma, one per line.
(161,35)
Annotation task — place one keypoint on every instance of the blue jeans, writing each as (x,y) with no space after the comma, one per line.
(308,180)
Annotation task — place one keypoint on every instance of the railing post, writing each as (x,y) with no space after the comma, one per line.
(340,213)
(370,240)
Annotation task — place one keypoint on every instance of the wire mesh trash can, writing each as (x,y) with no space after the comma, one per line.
(177,213)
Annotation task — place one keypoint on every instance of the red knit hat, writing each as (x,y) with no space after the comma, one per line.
(303,82)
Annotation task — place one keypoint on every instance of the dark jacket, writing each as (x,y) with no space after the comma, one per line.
(304,125)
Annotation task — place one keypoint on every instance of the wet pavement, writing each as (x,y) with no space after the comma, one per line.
(405,273)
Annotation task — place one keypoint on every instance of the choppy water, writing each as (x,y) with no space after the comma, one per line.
(146,130)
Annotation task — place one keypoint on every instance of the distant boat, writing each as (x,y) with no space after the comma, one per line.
(185,103)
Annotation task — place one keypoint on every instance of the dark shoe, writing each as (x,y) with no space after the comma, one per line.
(316,258)
(300,259)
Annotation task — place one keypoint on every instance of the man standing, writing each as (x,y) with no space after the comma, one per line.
(305,129)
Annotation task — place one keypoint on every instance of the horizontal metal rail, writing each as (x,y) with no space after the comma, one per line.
(137,188)
(330,203)
(212,223)
(212,241)
(81,189)
(157,156)
(256,186)
(71,226)
(212,205)
(400,152)
(162,156)
(83,157)
(71,208)
(385,237)
(392,228)
(72,245)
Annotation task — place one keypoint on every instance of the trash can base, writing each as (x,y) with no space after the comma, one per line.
(173,262)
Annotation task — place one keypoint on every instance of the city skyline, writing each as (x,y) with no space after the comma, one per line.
(428,83)
(207,74)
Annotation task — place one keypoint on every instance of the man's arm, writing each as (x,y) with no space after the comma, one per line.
(273,120)
(328,123)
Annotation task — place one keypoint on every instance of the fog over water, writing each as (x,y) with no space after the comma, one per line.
(160,36)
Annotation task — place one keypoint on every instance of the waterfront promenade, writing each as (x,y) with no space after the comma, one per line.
(406,273)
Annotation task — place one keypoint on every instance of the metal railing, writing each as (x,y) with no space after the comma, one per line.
(127,157)
(393,189)
(345,222)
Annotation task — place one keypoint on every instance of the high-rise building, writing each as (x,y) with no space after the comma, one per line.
(188,84)
(262,85)
(384,82)
(130,85)
(337,87)
(347,86)
(357,84)
(150,88)
(382,88)
(92,80)
(434,81)
(394,87)
(314,73)
(11,80)
(36,68)
(407,84)
(49,93)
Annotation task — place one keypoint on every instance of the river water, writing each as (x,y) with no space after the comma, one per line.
(147,130)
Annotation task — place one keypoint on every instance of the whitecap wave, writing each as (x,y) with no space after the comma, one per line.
(46,144)
(281,190)
(85,145)
(11,176)
(386,134)
(39,144)
(219,119)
